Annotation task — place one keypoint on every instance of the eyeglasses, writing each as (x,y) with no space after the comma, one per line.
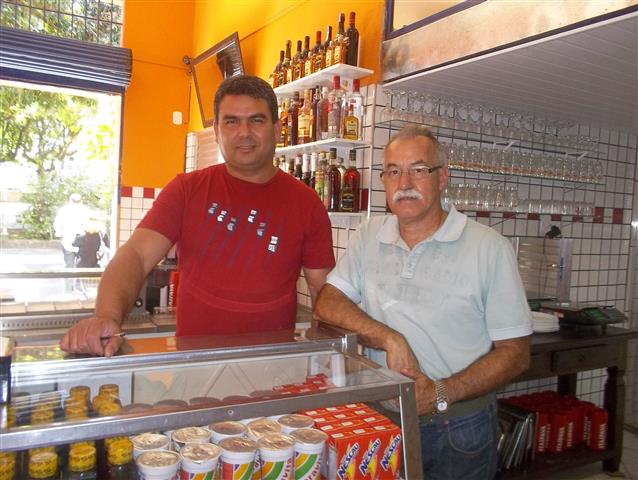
(416,173)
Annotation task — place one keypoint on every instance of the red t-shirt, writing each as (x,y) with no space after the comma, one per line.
(240,248)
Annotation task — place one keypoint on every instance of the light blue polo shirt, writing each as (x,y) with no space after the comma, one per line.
(451,296)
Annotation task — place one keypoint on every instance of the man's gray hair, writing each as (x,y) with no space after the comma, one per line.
(414,131)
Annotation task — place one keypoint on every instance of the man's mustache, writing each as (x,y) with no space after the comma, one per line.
(410,193)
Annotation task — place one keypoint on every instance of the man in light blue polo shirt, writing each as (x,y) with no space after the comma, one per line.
(441,301)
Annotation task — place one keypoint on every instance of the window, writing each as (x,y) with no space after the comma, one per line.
(87,20)
(61,85)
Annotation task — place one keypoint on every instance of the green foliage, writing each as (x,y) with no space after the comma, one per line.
(88,20)
(56,135)
(39,127)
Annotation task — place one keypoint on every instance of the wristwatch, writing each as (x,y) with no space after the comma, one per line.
(441,403)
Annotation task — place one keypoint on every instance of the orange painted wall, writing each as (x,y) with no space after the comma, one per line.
(159,33)
(264,27)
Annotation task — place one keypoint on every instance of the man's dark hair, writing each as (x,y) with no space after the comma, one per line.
(415,131)
(249,85)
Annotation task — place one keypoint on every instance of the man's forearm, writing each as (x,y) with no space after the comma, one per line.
(335,308)
(120,285)
(507,360)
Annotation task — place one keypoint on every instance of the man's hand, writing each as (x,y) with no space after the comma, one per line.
(424,390)
(399,355)
(85,337)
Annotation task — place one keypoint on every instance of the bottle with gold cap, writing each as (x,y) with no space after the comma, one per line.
(7,465)
(119,455)
(82,463)
(43,465)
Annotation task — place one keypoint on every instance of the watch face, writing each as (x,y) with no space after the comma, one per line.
(441,406)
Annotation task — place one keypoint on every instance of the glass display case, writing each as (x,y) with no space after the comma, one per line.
(168,382)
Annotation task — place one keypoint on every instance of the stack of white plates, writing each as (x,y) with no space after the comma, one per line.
(544,322)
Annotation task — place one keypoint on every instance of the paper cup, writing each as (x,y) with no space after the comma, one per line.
(310,447)
(277,452)
(221,430)
(238,458)
(293,422)
(186,435)
(149,441)
(199,461)
(158,465)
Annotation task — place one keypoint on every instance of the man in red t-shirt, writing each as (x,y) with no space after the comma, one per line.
(244,229)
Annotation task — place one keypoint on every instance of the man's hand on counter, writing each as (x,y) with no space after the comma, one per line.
(94,335)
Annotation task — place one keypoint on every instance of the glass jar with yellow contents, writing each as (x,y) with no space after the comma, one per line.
(43,465)
(82,463)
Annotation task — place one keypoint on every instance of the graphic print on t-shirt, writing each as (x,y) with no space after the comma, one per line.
(231,232)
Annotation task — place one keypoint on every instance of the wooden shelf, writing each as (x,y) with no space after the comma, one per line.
(321,145)
(323,77)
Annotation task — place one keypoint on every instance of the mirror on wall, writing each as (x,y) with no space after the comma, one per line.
(210,68)
(402,16)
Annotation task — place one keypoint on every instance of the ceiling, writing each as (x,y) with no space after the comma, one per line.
(587,75)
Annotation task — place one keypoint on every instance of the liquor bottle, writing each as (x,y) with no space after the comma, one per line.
(283,164)
(316,55)
(335,98)
(287,64)
(291,166)
(351,184)
(298,173)
(82,463)
(313,169)
(304,56)
(276,73)
(120,460)
(322,115)
(340,43)
(352,34)
(283,120)
(342,172)
(293,120)
(326,48)
(297,65)
(353,114)
(305,169)
(320,177)
(305,120)
(332,189)
(316,96)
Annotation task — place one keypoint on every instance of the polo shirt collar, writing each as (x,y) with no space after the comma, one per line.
(450,231)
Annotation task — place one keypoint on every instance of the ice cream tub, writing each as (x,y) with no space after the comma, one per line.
(182,436)
(293,422)
(158,465)
(199,461)
(229,429)
(259,428)
(310,448)
(277,453)
(149,441)
(238,458)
